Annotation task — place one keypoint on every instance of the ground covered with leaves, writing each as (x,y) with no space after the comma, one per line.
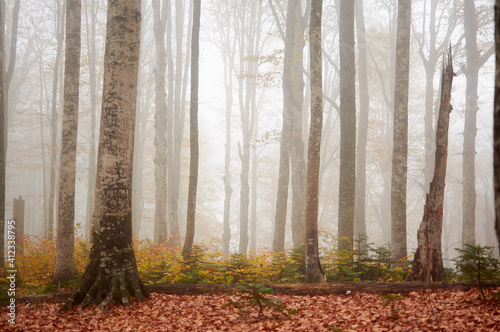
(441,310)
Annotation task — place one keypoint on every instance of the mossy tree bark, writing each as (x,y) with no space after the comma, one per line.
(428,261)
(111,274)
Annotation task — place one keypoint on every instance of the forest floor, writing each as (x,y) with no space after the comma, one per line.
(424,310)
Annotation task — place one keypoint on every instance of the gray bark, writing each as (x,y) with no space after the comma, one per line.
(112,271)
(314,273)
(496,125)
(400,132)
(160,142)
(364,105)
(193,136)
(3,138)
(54,119)
(65,261)
(347,180)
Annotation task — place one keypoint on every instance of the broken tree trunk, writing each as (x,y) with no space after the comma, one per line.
(428,261)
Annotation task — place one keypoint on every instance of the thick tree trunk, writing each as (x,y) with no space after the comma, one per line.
(112,270)
(428,261)
(400,130)
(347,178)
(160,142)
(65,262)
(314,272)
(193,136)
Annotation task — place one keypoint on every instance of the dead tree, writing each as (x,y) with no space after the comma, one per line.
(428,261)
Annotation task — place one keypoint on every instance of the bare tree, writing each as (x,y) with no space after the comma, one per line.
(496,130)
(400,130)
(314,272)
(3,141)
(475,60)
(65,261)
(112,270)
(347,180)
(160,142)
(428,261)
(193,137)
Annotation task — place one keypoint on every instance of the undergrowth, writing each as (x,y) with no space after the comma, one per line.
(164,264)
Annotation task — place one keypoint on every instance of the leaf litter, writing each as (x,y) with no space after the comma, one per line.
(439,310)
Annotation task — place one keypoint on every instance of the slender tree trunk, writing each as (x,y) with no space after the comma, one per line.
(428,261)
(496,125)
(400,132)
(347,180)
(475,60)
(112,270)
(255,183)
(91,41)
(160,142)
(364,105)
(65,262)
(54,118)
(193,136)
(286,130)
(314,272)
(172,213)
(3,137)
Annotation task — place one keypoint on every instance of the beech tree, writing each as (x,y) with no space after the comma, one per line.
(347,180)
(496,126)
(111,273)
(193,136)
(160,142)
(475,60)
(65,261)
(314,272)
(400,130)
(428,261)
(3,143)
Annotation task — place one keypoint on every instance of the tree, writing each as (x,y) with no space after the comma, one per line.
(60,12)
(160,142)
(286,131)
(428,261)
(65,262)
(193,136)
(347,180)
(364,110)
(400,132)
(3,141)
(314,272)
(475,60)
(496,121)
(112,270)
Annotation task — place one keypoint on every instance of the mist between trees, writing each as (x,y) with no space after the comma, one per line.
(254,119)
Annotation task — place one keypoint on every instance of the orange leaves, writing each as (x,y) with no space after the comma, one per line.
(453,311)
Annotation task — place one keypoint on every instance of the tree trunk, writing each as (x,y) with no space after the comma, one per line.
(286,130)
(496,126)
(3,138)
(428,261)
(364,111)
(112,270)
(314,272)
(160,142)
(54,119)
(347,179)
(65,262)
(193,136)
(475,60)
(91,41)
(400,132)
